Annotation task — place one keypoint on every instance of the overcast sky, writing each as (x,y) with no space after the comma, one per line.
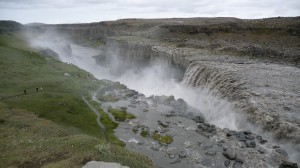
(82,11)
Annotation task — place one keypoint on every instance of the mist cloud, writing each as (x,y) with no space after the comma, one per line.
(66,11)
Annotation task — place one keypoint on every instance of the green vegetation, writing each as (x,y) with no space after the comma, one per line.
(144,132)
(60,100)
(52,127)
(167,139)
(121,115)
(29,141)
(107,98)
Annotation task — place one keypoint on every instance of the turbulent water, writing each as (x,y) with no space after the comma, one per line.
(157,79)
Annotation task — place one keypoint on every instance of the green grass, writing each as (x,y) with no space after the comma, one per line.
(107,98)
(53,127)
(29,141)
(144,133)
(167,139)
(60,99)
(121,115)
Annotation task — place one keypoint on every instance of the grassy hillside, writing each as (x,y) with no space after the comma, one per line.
(52,127)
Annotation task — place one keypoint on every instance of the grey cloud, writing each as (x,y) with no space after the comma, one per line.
(96,10)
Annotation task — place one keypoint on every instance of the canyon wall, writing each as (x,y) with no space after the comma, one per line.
(252,63)
(244,82)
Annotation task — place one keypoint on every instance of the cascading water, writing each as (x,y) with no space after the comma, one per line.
(198,85)
(157,79)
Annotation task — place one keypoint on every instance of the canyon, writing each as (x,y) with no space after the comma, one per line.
(239,74)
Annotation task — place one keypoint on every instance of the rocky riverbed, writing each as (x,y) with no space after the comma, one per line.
(251,67)
(174,134)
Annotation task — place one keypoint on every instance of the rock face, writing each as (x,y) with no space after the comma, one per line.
(252,63)
(204,146)
(49,53)
(95,164)
(244,81)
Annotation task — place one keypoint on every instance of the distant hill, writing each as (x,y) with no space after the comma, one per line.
(9,26)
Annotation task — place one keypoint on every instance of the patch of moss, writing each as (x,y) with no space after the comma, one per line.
(144,133)
(107,98)
(167,139)
(121,115)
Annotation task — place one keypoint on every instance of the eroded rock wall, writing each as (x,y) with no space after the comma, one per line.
(232,78)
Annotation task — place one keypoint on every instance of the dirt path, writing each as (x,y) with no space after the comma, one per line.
(98,117)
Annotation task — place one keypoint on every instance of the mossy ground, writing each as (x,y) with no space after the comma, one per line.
(167,139)
(121,115)
(29,141)
(53,127)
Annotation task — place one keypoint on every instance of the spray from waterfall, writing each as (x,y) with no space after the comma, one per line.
(196,85)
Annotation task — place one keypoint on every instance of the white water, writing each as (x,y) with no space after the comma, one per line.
(156,80)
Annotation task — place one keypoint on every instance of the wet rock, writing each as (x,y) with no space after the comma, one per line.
(230,154)
(163,130)
(211,153)
(194,155)
(134,102)
(189,144)
(135,129)
(182,154)
(199,119)
(175,160)
(247,132)
(241,137)
(242,145)
(263,141)
(49,53)
(276,147)
(238,159)
(227,163)
(237,165)
(250,137)
(281,151)
(258,137)
(205,145)
(132,106)
(154,149)
(206,129)
(250,144)
(171,150)
(286,164)
(171,156)
(220,143)
(191,128)
(163,124)
(230,133)
(141,143)
(261,150)
(206,162)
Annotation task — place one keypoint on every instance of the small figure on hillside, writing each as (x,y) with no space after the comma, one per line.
(24,91)
(41,89)
(37,89)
